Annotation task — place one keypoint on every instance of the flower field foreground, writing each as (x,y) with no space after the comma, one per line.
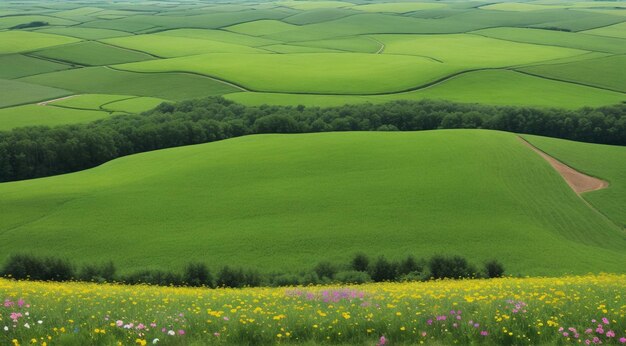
(569,310)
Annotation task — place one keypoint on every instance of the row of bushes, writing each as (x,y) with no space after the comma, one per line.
(359,270)
(32,152)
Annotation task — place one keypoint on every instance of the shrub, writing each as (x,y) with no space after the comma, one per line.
(154,277)
(252,278)
(383,270)
(409,265)
(24,266)
(360,262)
(285,280)
(494,269)
(450,267)
(98,273)
(230,277)
(353,277)
(325,270)
(197,274)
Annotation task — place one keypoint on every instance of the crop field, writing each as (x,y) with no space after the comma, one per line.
(35,115)
(521,311)
(321,53)
(314,191)
(497,87)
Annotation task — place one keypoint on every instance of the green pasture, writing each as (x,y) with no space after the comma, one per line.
(313,5)
(84,33)
(285,202)
(261,27)
(495,87)
(23,41)
(398,7)
(15,92)
(558,38)
(11,21)
(318,16)
(133,105)
(91,53)
(346,73)
(603,161)
(617,30)
(35,115)
(358,44)
(103,80)
(503,87)
(604,72)
(220,36)
(16,65)
(89,101)
(175,46)
(472,51)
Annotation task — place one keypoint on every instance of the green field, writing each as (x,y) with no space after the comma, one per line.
(307,72)
(320,53)
(15,93)
(35,115)
(103,80)
(605,72)
(596,160)
(16,65)
(285,202)
(92,54)
(23,41)
(496,87)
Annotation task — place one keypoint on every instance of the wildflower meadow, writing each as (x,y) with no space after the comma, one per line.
(578,310)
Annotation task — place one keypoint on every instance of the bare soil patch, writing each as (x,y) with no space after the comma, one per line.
(578,181)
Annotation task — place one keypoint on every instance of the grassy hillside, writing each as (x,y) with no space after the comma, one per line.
(285,202)
(605,161)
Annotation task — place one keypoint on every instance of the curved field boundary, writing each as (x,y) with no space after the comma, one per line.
(241,88)
(578,181)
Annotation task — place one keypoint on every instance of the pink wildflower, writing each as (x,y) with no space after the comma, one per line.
(181,332)
(382,341)
(610,334)
(622,340)
(119,323)
(484,333)
(15,316)
(605,320)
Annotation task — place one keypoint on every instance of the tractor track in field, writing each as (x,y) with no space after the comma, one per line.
(45,103)
(578,181)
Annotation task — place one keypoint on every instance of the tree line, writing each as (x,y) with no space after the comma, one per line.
(39,151)
(359,270)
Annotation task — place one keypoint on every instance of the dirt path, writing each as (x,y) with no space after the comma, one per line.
(578,181)
(45,103)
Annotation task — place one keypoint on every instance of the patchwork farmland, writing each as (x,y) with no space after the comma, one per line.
(312,53)
(432,172)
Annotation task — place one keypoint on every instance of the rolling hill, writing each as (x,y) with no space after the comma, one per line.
(285,202)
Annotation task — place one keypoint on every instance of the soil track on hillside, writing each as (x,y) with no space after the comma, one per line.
(578,181)
(45,103)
